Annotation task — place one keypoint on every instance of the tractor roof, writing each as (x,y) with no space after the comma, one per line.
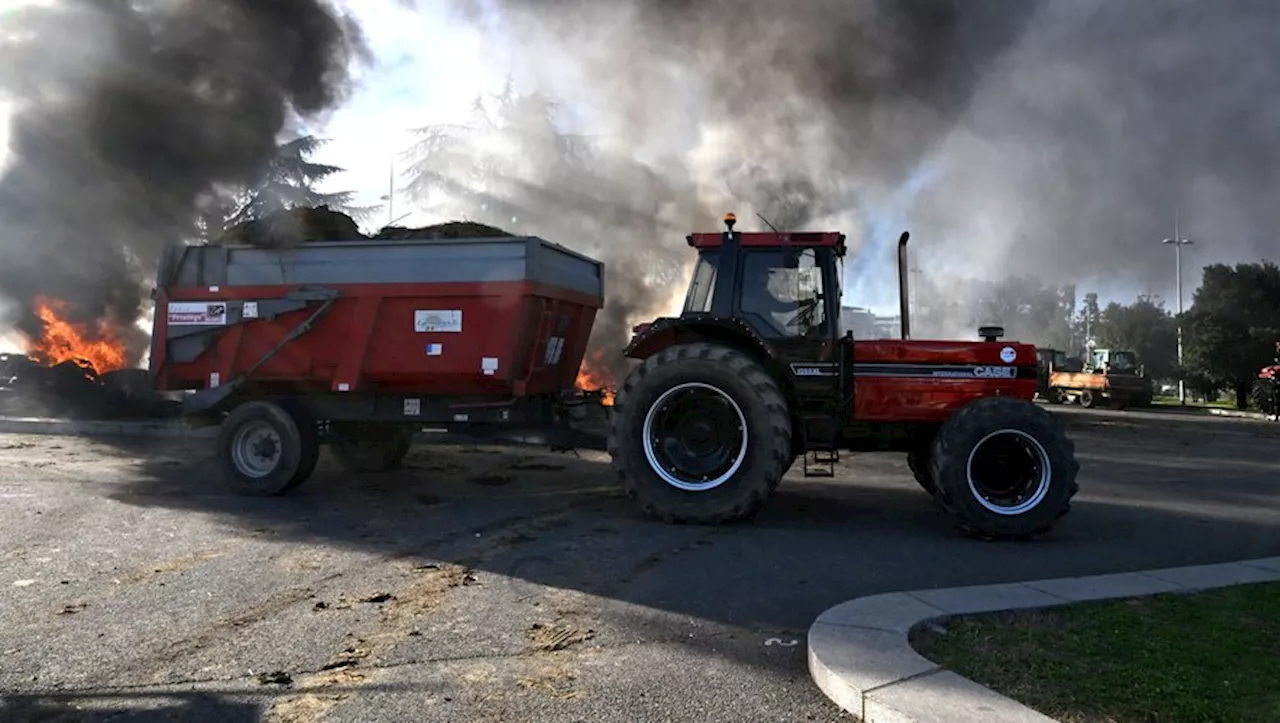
(771,239)
(829,239)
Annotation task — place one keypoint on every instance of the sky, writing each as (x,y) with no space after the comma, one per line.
(428,68)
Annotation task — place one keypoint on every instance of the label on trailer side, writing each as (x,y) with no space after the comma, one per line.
(197,313)
(446,320)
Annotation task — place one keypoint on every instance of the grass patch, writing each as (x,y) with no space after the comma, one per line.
(1194,658)
(1160,401)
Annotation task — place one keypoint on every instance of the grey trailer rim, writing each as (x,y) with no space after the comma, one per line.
(1009,472)
(695,437)
(256,449)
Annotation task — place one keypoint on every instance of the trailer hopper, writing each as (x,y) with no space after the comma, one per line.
(364,340)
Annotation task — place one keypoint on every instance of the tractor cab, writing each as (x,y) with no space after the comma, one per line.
(784,286)
(1114,361)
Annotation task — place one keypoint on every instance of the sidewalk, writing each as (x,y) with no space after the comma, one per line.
(860,658)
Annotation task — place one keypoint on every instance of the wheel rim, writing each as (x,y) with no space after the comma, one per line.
(695,437)
(1008,472)
(256,450)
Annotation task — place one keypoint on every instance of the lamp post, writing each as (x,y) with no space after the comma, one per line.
(1177,242)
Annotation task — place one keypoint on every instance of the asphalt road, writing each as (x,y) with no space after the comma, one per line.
(515,585)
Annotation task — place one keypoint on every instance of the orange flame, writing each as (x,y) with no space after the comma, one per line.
(594,375)
(63,340)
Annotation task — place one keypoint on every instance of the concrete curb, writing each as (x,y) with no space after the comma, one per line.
(1242,415)
(104,428)
(860,658)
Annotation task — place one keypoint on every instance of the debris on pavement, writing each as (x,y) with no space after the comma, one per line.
(553,637)
(277,677)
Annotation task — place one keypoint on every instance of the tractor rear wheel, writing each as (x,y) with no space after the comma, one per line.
(700,433)
(1004,468)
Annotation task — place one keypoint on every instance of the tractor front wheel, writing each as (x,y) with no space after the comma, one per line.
(700,433)
(1004,468)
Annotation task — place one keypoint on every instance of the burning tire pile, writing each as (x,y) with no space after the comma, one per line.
(73,389)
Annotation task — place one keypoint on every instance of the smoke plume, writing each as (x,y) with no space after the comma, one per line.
(130,113)
(1060,138)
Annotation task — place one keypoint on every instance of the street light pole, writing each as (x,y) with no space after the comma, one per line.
(1178,242)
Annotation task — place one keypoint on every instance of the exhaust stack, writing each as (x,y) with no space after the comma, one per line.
(903,295)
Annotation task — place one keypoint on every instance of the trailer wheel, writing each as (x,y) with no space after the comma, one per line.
(267,449)
(371,448)
(1056,396)
(1088,400)
(1004,468)
(700,433)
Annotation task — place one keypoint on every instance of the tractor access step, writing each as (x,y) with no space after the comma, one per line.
(821,462)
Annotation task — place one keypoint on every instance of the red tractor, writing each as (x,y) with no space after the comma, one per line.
(755,373)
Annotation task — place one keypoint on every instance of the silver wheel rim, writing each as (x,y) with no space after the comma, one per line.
(1038,487)
(649,440)
(256,449)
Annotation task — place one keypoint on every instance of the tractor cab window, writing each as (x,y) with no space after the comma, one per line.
(789,300)
(702,285)
(1122,361)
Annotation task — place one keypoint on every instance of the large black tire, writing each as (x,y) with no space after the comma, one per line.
(266,449)
(918,463)
(734,384)
(993,503)
(1055,396)
(370,448)
(1088,399)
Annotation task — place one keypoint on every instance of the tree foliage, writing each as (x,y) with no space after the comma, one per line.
(288,181)
(1231,329)
(1144,327)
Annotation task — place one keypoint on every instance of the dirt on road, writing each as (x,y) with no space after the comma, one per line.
(492,584)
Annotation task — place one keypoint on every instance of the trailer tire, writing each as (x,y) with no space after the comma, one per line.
(748,448)
(1033,440)
(267,449)
(371,448)
(1088,400)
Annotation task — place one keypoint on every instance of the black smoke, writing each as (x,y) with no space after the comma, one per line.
(130,114)
(1064,137)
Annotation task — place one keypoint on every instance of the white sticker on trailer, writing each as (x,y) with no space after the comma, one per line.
(197,313)
(439,320)
(555,347)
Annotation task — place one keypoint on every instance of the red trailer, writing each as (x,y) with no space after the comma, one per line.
(372,340)
(357,344)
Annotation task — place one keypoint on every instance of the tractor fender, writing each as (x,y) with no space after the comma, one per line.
(649,339)
(665,332)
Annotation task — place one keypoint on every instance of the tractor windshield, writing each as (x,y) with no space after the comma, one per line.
(787,299)
(702,285)
(1123,361)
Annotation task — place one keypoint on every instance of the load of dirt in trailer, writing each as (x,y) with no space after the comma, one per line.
(283,229)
